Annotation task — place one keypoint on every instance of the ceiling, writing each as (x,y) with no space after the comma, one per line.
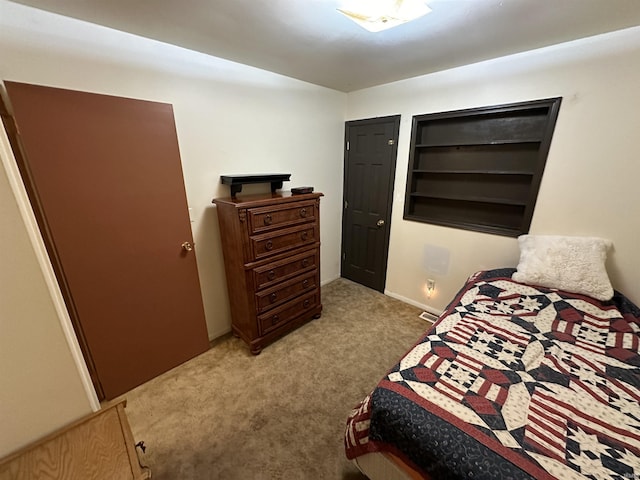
(309,40)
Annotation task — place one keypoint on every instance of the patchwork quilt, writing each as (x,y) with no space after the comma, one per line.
(513,382)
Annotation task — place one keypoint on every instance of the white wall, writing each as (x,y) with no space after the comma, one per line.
(591,178)
(230,118)
(40,385)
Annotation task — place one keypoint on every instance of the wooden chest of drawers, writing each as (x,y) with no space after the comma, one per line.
(271,247)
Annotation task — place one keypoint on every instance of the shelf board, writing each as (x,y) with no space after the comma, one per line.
(478,227)
(237,181)
(475,199)
(479,144)
(475,172)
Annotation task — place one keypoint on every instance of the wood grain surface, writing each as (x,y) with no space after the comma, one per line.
(100,446)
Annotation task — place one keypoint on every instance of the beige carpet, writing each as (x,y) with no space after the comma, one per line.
(280,415)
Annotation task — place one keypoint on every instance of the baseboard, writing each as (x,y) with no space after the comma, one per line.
(329,280)
(423,306)
(219,333)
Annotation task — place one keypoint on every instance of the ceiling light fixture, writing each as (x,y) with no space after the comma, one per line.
(377,15)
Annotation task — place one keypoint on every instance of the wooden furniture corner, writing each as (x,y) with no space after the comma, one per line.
(99,446)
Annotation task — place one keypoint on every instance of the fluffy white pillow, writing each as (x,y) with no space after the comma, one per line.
(574,264)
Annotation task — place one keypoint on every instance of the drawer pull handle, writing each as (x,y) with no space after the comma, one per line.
(267,219)
(304,236)
(275,319)
(271,274)
(305,262)
(305,284)
(303,212)
(269,245)
(306,303)
(273,297)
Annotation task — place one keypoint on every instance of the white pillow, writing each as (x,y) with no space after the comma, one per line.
(573,264)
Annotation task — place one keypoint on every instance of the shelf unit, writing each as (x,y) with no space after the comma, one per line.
(236,182)
(479,169)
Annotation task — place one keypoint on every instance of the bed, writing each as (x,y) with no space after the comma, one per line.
(515,380)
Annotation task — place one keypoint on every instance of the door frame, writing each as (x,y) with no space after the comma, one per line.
(37,242)
(394,154)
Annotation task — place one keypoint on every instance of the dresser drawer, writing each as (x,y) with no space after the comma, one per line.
(283,292)
(282,240)
(281,216)
(276,272)
(287,312)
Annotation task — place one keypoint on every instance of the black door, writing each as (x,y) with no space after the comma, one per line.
(369,166)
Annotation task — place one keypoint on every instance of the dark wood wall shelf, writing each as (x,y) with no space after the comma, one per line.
(479,169)
(237,181)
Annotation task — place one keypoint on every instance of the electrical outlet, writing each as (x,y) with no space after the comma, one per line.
(430,286)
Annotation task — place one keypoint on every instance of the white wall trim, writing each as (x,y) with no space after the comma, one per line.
(329,280)
(423,306)
(29,219)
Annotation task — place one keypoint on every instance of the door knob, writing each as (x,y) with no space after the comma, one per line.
(187,246)
(380,223)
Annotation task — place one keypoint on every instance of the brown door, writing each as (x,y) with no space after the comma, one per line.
(370,164)
(105,179)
